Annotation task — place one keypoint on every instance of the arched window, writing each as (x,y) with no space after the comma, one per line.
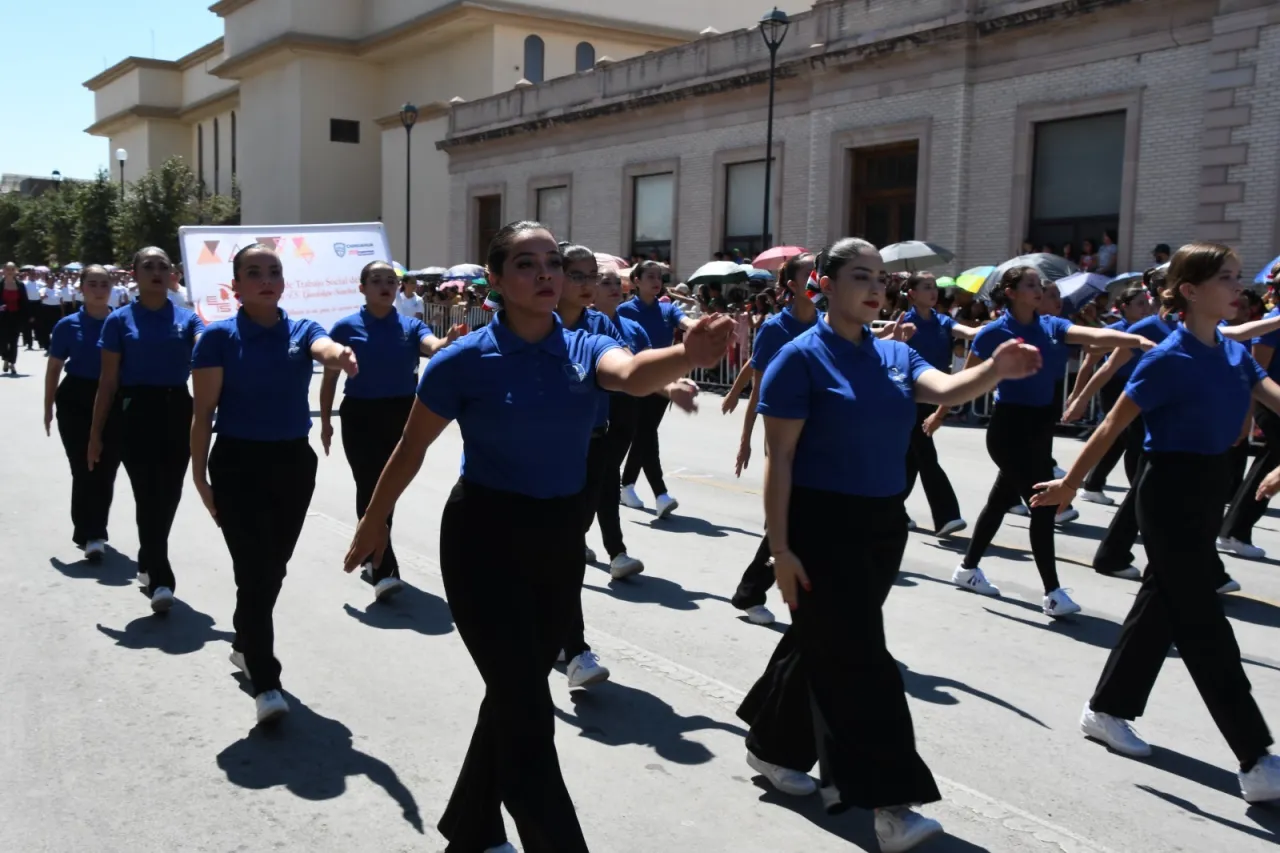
(585,58)
(233,146)
(534,52)
(217,156)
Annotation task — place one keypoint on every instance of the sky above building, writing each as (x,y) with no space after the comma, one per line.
(53,46)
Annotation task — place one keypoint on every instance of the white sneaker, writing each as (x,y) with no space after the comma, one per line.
(1019,509)
(1232,585)
(911,524)
(759,615)
(1058,604)
(1114,732)
(237,660)
(623,566)
(386,588)
(144,579)
(506,847)
(953,526)
(628,497)
(1067,515)
(786,780)
(1132,573)
(271,706)
(1058,473)
(900,829)
(973,580)
(1240,549)
(161,599)
(588,556)
(666,505)
(585,670)
(1098,498)
(95,550)
(1262,783)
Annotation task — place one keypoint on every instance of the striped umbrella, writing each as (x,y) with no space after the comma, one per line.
(970,280)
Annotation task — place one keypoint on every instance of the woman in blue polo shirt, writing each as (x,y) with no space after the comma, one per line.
(146,362)
(660,321)
(1193,392)
(376,401)
(934,338)
(74,344)
(839,406)
(254,370)
(525,391)
(1020,435)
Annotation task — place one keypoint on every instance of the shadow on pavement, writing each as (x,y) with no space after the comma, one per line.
(1101,633)
(181,631)
(411,609)
(311,756)
(854,826)
(1193,770)
(691,524)
(960,546)
(616,715)
(930,688)
(651,589)
(1251,610)
(1268,828)
(116,569)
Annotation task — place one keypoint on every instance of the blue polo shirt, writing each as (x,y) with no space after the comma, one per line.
(775,333)
(1126,369)
(75,341)
(660,320)
(1271,339)
(598,323)
(1194,398)
(633,333)
(154,346)
(858,405)
(1047,334)
(933,338)
(526,410)
(266,376)
(387,352)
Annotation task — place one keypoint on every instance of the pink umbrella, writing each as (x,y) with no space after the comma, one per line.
(773,259)
(606,258)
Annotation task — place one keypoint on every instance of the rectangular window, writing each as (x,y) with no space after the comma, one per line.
(488,222)
(744,209)
(344,130)
(1076,174)
(553,210)
(653,216)
(884,192)
(200,160)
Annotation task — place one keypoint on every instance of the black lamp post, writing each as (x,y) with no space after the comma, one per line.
(121,156)
(773,27)
(408,117)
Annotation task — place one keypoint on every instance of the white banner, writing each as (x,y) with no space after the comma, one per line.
(322,266)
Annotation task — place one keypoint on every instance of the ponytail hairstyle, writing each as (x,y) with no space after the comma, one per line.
(1126,298)
(137,258)
(792,266)
(1193,264)
(573,254)
(91,269)
(832,259)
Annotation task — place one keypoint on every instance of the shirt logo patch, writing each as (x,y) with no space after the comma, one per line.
(294,349)
(577,376)
(899,378)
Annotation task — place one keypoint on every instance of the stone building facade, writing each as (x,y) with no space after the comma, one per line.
(974,124)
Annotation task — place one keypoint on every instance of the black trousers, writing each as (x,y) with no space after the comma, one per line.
(371,429)
(832,692)
(10,328)
(623,411)
(922,461)
(261,490)
(1129,447)
(575,642)
(47,316)
(511,590)
(644,445)
(155,446)
(1246,509)
(1179,512)
(91,491)
(1020,442)
(28,326)
(753,589)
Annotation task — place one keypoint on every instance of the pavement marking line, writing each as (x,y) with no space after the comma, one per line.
(983,806)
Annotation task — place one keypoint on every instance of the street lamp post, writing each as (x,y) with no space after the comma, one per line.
(773,27)
(408,117)
(121,156)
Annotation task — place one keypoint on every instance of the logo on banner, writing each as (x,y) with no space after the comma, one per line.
(209,253)
(358,250)
(340,249)
(218,305)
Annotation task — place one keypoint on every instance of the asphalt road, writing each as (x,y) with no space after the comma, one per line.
(123,731)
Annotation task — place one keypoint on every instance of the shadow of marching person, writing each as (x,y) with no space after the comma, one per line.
(410,609)
(181,631)
(116,569)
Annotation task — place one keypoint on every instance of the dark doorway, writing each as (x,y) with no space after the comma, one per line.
(883,208)
(488,223)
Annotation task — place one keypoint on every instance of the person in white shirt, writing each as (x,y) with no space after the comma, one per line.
(50,311)
(32,284)
(68,294)
(408,302)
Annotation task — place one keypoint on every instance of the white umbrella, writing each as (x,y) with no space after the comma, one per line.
(912,255)
(719,272)
(1050,267)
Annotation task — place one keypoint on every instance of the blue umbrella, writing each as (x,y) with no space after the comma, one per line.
(1123,282)
(1079,288)
(761,276)
(1264,277)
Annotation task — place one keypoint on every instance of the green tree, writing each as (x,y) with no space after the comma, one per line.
(11,209)
(61,205)
(33,232)
(155,206)
(96,207)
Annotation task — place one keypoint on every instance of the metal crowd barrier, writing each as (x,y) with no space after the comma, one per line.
(442,318)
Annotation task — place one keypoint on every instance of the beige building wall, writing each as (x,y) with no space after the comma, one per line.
(136,140)
(270,128)
(340,182)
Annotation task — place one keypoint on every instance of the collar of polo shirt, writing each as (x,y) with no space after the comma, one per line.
(833,338)
(508,342)
(249,329)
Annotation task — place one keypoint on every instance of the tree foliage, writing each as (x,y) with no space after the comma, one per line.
(90,222)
